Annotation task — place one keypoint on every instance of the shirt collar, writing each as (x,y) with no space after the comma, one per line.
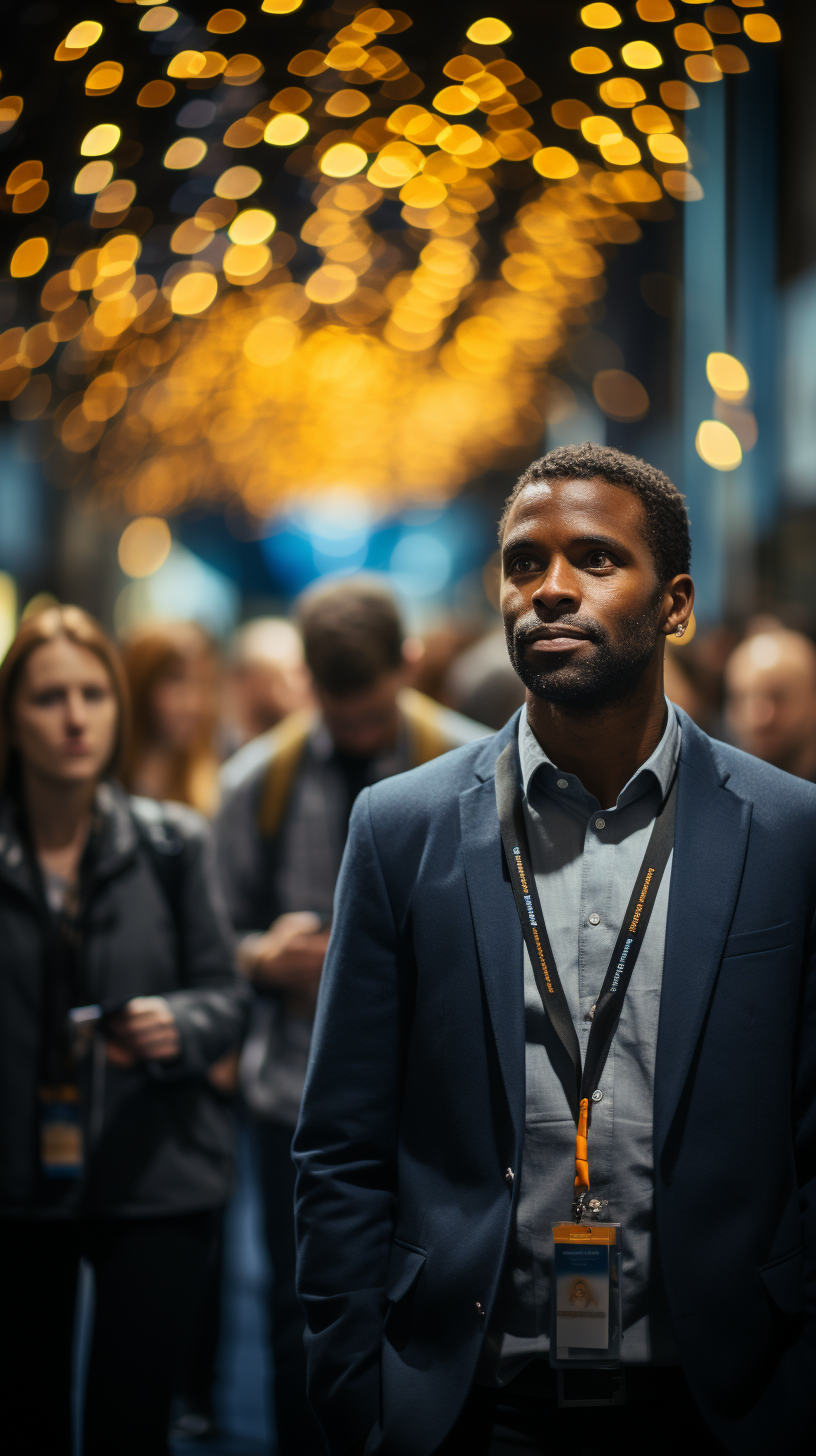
(658,767)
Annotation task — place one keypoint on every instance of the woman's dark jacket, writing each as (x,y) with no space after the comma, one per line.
(159,1138)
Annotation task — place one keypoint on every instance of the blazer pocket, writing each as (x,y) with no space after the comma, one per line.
(784,1280)
(749,942)
(404,1268)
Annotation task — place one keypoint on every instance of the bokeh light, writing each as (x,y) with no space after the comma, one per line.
(144,546)
(374,334)
(727,377)
(100,140)
(718,446)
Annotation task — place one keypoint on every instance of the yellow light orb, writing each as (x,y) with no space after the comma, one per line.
(238,182)
(281,7)
(762,28)
(103,79)
(489,31)
(254,225)
(161,18)
(555,162)
(718,446)
(286,129)
(641,55)
(85,34)
(193,293)
(144,546)
(93,177)
(344,159)
(100,140)
(29,258)
(621,92)
(246,262)
(668,148)
(590,61)
(186,152)
(600,17)
(727,377)
(597,129)
(651,119)
(621,152)
(456,100)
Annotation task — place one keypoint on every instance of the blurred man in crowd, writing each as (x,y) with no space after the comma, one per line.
(266,678)
(771,700)
(281,836)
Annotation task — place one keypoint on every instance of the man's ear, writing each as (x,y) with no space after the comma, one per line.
(681,593)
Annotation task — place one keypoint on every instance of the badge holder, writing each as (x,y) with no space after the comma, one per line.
(586,1300)
(61,1142)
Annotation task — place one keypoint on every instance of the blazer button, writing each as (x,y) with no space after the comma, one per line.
(509,1176)
(480,1312)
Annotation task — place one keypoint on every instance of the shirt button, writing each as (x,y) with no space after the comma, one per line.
(597,1095)
(600,823)
(563,783)
(594,919)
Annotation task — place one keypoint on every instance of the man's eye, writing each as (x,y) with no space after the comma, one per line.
(600,558)
(524,564)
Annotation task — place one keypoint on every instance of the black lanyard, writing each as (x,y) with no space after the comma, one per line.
(510,805)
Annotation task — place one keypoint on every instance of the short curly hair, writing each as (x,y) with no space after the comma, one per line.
(667,521)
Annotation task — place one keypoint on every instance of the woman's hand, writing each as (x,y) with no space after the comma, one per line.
(144,1030)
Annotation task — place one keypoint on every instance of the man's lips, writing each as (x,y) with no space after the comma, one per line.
(554,639)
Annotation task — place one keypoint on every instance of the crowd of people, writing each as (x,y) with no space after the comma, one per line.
(172,823)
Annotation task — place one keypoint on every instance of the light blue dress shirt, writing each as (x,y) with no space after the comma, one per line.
(585,861)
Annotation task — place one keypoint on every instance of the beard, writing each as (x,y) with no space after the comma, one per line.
(597,679)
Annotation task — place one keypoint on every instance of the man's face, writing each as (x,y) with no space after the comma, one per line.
(365,723)
(771,704)
(580,597)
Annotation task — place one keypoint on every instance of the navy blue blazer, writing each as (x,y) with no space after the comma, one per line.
(415,1103)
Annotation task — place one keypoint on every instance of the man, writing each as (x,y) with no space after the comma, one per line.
(266,677)
(280,836)
(771,699)
(444,1118)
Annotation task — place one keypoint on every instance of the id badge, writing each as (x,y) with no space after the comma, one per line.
(62,1153)
(586,1295)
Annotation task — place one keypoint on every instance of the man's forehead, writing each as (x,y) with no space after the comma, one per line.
(597,502)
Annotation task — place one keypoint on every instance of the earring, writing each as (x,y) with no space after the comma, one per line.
(680,630)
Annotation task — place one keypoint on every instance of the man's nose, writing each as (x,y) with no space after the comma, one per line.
(558,587)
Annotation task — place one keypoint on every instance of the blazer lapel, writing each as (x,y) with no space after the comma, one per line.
(711,838)
(498,935)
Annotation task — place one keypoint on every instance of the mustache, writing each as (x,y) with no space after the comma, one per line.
(525,628)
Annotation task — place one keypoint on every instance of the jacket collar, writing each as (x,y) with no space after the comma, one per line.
(484,765)
(113,839)
(710,843)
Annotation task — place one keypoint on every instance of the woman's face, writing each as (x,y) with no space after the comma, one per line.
(64,714)
(182,702)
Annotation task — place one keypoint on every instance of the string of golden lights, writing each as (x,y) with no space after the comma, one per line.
(227,379)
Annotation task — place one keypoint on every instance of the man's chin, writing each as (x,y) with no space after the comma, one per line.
(560,685)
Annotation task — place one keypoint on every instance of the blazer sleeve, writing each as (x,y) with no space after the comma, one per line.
(345,1145)
(212,1007)
(805,1133)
